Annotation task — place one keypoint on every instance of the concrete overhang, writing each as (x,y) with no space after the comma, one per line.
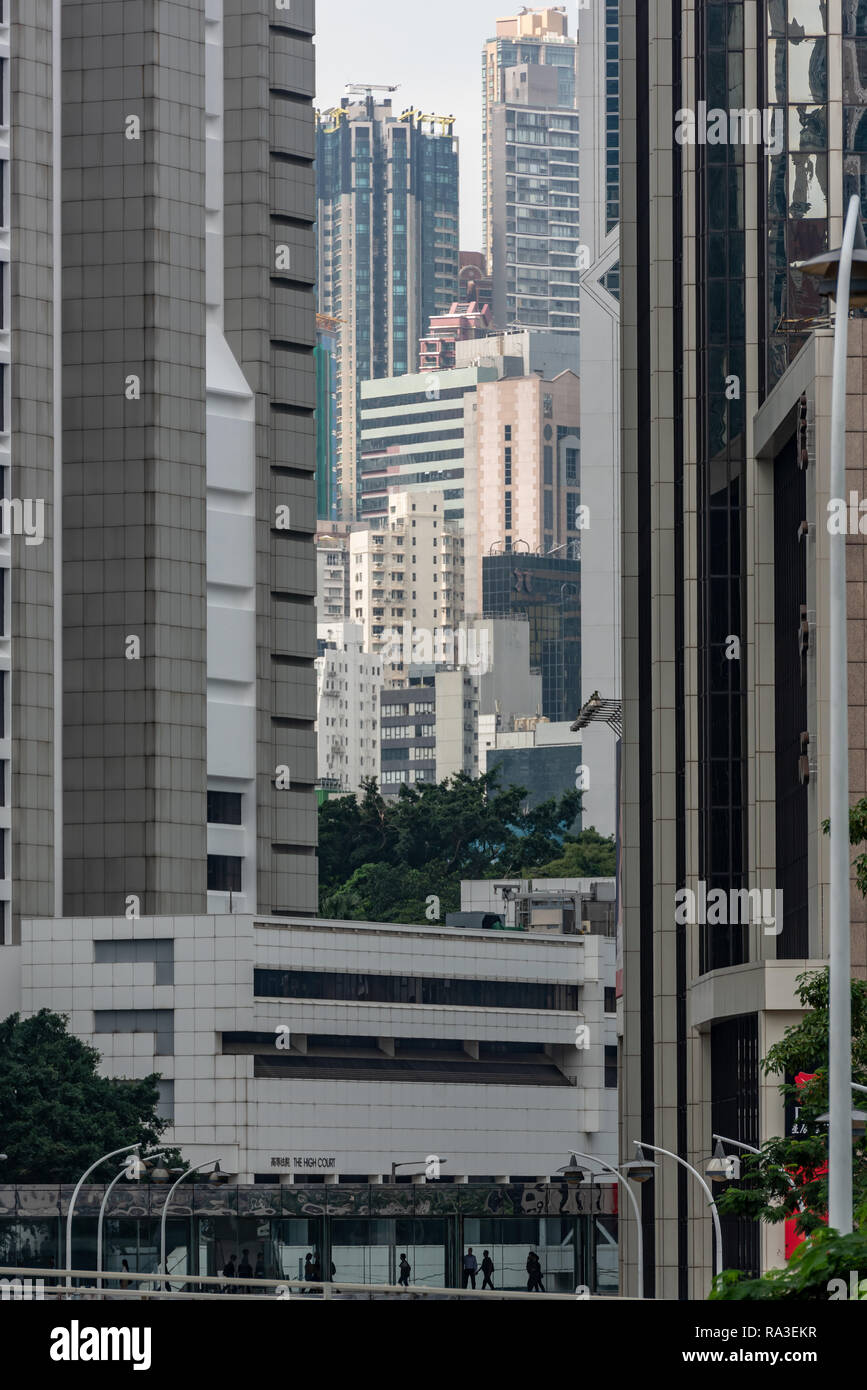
(758,987)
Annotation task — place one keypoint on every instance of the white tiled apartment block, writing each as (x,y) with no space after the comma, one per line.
(348,682)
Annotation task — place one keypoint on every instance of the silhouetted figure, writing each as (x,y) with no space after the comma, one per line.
(534,1271)
(405,1271)
(468,1272)
(229,1273)
(487,1270)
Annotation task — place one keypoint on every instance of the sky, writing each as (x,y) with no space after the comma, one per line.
(434,50)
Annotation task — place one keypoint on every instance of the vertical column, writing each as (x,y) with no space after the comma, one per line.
(26,234)
(134,457)
(271,328)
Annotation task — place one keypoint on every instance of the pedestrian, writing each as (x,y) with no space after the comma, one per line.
(229,1273)
(487,1270)
(534,1271)
(245,1269)
(470,1265)
(260,1266)
(316,1275)
(124,1269)
(308,1270)
(405,1270)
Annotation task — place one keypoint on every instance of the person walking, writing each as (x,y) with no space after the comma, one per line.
(470,1265)
(308,1270)
(487,1270)
(534,1271)
(229,1273)
(245,1269)
(405,1270)
(260,1266)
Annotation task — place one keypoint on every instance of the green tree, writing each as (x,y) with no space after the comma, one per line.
(788,1179)
(57,1114)
(586,855)
(431,836)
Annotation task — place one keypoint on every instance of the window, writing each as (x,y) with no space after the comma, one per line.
(160,951)
(224,873)
(548,464)
(610,1000)
(508,432)
(611,1067)
(416,989)
(224,808)
(160,1022)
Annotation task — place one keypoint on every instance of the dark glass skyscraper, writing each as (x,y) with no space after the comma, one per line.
(546,589)
(387,205)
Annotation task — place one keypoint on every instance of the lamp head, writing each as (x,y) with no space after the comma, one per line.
(723,1167)
(825,269)
(639,1169)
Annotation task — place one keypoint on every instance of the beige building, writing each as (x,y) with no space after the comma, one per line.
(521,38)
(725,388)
(406,581)
(526,491)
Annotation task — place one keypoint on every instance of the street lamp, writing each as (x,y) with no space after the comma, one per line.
(723,1167)
(78,1186)
(125,1168)
(220,1177)
(574,1174)
(655,1148)
(411,1163)
(834,272)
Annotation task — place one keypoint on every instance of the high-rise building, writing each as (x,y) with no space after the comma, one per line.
(417,434)
(429,728)
(332,573)
(725,444)
(159,642)
(527,486)
(599,167)
(530,177)
(406,580)
(546,589)
(325,360)
(387,211)
(349,680)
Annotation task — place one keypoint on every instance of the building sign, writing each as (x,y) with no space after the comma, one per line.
(305,1163)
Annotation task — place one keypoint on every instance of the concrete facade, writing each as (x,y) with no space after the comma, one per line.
(201,1000)
(164,625)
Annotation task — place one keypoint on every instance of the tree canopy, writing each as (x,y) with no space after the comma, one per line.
(57,1114)
(382,859)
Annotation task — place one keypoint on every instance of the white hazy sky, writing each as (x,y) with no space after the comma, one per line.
(433,48)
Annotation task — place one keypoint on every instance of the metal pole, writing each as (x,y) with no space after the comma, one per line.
(840,1001)
(591,1158)
(654,1148)
(125,1150)
(185,1174)
(101,1219)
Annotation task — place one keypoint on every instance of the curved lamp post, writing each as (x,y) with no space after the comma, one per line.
(186,1173)
(591,1158)
(655,1148)
(128,1148)
(125,1169)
